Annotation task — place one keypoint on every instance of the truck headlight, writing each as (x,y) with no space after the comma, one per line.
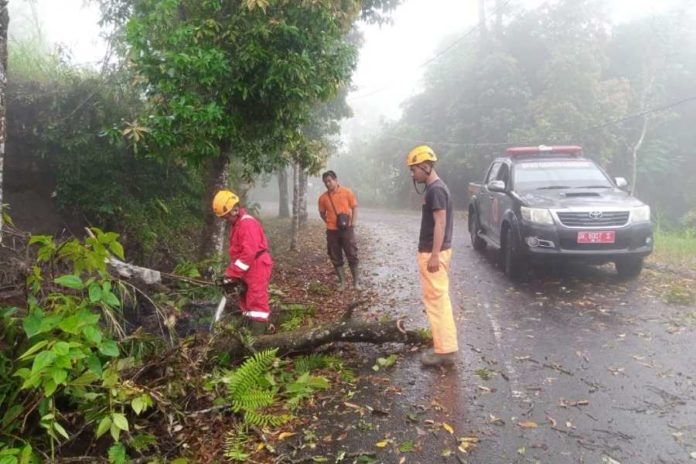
(640,214)
(536,215)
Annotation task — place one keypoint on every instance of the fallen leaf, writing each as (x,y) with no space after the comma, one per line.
(284,435)
(382,444)
(528,424)
(447,427)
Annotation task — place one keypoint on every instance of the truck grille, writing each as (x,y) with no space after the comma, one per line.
(593,218)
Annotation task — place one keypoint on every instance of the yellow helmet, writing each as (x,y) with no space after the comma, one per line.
(223,202)
(420,154)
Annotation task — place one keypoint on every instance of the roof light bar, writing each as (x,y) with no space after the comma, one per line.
(562,149)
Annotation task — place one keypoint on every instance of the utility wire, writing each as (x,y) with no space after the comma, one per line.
(612,122)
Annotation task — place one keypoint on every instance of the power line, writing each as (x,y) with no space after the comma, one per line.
(612,122)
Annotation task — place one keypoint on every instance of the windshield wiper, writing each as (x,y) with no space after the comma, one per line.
(554,187)
(594,187)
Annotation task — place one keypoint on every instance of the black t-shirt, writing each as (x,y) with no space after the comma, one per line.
(437,196)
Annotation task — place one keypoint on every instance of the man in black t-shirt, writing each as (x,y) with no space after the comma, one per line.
(434,253)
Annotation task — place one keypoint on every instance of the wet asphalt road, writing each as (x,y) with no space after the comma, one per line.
(584,367)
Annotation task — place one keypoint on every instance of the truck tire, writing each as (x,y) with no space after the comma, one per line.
(477,242)
(513,265)
(629,266)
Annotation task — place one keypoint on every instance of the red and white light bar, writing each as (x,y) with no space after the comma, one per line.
(562,149)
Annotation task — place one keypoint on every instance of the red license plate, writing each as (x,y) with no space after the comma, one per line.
(608,236)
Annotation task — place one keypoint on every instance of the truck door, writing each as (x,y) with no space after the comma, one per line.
(486,198)
(500,202)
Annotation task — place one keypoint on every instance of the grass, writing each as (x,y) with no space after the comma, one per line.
(675,248)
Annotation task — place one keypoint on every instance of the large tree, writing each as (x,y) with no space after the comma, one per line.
(237,79)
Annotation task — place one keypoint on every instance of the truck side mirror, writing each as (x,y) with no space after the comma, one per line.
(621,182)
(496,186)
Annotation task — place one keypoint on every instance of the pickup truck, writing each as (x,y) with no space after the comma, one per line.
(552,203)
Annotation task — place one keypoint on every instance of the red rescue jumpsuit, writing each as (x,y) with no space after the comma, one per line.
(251,262)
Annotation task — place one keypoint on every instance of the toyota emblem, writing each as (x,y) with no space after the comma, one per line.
(596,215)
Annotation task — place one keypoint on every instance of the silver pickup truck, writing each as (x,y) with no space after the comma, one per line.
(552,203)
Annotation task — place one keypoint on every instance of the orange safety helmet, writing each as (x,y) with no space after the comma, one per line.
(420,154)
(223,202)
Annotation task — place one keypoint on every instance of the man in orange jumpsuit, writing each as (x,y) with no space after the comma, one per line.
(434,253)
(250,261)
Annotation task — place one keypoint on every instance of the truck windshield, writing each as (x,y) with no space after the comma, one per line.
(558,175)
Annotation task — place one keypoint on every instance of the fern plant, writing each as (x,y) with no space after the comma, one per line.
(251,390)
(236,443)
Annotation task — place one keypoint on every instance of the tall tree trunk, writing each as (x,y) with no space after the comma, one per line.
(645,97)
(283,206)
(217,177)
(4,23)
(295,206)
(302,202)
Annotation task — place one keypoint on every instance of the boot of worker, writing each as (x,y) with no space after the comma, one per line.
(432,359)
(258,327)
(356,276)
(341,274)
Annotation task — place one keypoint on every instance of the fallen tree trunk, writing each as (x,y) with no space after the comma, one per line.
(305,341)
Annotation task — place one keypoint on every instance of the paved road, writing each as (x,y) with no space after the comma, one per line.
(584,368)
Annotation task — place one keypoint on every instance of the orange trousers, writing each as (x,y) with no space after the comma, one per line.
(437,302)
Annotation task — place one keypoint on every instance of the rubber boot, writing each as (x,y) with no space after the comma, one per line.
(356,276)
(432,359)
(341,274)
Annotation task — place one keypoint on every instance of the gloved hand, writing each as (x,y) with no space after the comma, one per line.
(232,285)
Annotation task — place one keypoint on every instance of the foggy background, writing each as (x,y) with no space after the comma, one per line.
(527,72)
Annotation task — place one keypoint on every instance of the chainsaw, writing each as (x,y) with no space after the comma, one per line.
(230,288)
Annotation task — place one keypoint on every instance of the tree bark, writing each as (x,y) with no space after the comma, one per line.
(4,24)
(306,341)
(217,177)
(294,227)
(645,97)
(283,202)
(302,203)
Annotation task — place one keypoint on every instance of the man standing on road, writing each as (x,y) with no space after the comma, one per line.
(434,253)
(250,262)
(338,208)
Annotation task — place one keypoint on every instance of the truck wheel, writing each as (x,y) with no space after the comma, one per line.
(629,267)
(477,242)
(513,265)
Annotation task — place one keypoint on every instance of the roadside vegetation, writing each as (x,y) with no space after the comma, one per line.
(96,368)
(201,95)
(676,248)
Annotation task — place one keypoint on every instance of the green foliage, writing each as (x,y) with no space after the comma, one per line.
(65,121)
(250,390)
(383,363)
(318,288)
(293,316)
(560,73)
(236,443)
(678,293)
(62,355)
(676,247)
(226,77)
